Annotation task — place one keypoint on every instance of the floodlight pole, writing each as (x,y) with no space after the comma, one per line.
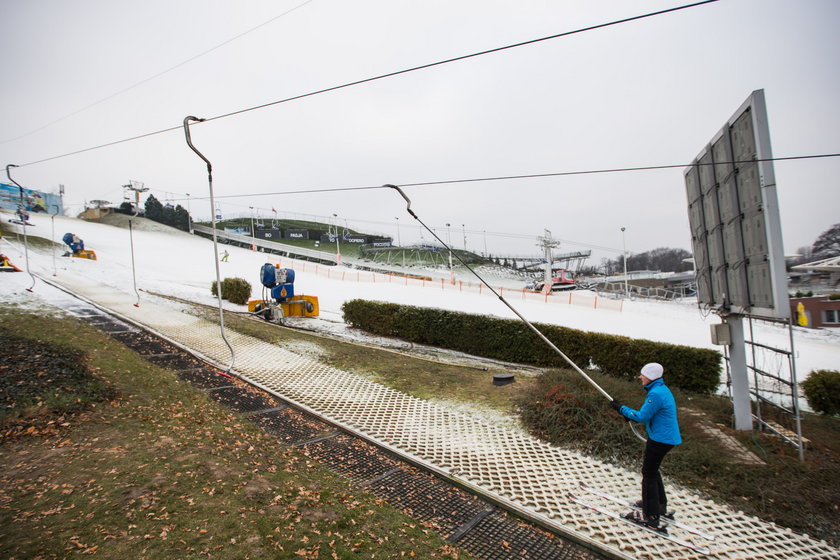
(22,219)
(624,258)
(449,246)
(399,240)
(253,233)
(189,216)
(337,245)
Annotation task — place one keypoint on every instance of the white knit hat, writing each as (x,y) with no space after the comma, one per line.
(652,371)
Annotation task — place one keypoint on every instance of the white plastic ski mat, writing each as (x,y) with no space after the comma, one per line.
(515,468)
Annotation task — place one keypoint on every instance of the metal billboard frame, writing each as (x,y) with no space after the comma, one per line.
(734,217)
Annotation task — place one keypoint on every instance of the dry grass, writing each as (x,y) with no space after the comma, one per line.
(162,471)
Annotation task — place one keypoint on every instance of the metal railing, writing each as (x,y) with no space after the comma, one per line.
(272,246)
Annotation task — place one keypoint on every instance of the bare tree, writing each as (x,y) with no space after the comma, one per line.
(827,244)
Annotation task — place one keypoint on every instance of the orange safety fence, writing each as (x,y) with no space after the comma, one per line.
(570,297)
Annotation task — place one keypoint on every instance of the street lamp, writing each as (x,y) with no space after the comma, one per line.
(399,240)
(449,243)
(337,246)
(464,230)
(253,233)
(624,258)
(189,216)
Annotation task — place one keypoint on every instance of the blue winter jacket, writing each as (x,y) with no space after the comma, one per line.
(658,414)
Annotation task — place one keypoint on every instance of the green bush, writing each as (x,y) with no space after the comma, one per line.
(822,390)
(235,290)
(692,369)
(834,297)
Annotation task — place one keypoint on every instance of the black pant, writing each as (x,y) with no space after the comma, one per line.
(653,491)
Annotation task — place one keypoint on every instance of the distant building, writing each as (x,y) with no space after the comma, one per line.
(95,213)
(815,312)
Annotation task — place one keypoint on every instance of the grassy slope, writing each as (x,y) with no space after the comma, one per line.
(161,471)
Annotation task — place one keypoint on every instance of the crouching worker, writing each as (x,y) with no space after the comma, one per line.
(659,415)
(72,240)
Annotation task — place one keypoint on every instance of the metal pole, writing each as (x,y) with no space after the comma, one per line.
(52,238)
(22,219)
(448,246)
(133,268)
(253,233)
(215,240)
(399,241)
(624,258)
(795,386)
(189,215)
(755,374)
(337,246)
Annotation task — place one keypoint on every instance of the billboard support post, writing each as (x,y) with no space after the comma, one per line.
(739,374)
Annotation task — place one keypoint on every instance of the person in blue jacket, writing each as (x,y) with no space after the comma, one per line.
(659,415)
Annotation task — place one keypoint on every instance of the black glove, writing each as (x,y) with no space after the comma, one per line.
(615,405)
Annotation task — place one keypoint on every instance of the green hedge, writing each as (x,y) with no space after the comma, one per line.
(822,390)
(691,369)
(235,290)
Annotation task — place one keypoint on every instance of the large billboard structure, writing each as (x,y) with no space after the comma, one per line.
(33,201)
(733,213)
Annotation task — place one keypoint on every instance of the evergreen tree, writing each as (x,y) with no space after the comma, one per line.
(154,209)
(181,218)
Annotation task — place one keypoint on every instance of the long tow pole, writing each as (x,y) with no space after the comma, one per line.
(22,215)
(501,298)
(509,306)
(187,121)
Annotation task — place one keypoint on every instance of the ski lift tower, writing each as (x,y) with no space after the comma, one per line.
(736,233)
(138,188)
(547,243)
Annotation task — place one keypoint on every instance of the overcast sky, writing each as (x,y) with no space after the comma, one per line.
(644,93)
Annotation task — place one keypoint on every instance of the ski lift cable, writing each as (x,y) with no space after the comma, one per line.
(388,75)
(527,176)
(187,121)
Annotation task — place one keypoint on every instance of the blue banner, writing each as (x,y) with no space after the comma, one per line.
(33,201)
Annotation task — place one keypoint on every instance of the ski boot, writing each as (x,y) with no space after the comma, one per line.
(650,522)
(663,510)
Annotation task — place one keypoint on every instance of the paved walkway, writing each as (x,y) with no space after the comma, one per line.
(528,475)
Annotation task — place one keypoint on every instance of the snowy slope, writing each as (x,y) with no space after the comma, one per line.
(172,262)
